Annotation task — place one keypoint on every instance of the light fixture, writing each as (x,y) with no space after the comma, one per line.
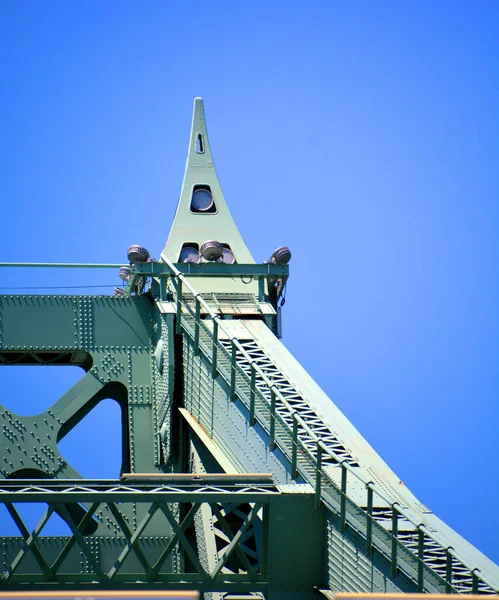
(202,199)
(212,250)
(137,254)
(189,254)
(125,273)
(227,257)
(281,256)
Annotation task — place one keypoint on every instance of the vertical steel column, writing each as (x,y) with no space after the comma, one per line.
(197,318)
(272,419)
(252,396)
(214,350)
(233,372)
(448,571)
(179,306)
(318,475)
(294,446)
(264,561)
(395,525)
(343,499)
(420,561)
(474,583)
(369,524)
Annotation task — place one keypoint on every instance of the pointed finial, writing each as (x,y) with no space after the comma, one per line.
(202,214)
(199,146)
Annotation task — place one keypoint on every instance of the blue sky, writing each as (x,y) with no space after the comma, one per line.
(363,135)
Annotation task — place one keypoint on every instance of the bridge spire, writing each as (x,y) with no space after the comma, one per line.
(202,213)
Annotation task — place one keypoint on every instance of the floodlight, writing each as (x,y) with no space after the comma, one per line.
(137,254)
(125,273)
(281,256)
(189,254)
(212,250)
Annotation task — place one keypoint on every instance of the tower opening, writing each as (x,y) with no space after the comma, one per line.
(199,144)
(202,200)
(189,253)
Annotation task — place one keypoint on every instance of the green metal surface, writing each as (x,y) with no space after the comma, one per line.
(215,269)
(138,557)
(189,226)
(205,390)
(347,513)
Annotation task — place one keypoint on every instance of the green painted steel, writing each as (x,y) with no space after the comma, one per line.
(210,401)
(394,559)
(194,227)
(347,515)
(138,557)
(214,269)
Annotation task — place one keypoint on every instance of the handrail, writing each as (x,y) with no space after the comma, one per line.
(308,455)
(396,505)
(341,461)
(175,272)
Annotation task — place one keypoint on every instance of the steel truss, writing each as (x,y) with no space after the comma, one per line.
(137,558)
(294,427)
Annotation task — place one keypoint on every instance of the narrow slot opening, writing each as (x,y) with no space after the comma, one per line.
(199,144)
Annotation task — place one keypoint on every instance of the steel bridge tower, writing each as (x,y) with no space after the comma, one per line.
(240,477)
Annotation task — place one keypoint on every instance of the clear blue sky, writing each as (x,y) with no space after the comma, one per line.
(364,135)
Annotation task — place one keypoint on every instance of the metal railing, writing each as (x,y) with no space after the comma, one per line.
(288,438)
(301,458)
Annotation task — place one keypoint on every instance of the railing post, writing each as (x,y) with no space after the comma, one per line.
(272,419)
(252,396)
(294,447)
(369,524)
(261,289)
(179,306)
(421,561)
(394,540)
(233,372)
(343,499)
(448,571)
(214,353)
(318,475)
(197,318)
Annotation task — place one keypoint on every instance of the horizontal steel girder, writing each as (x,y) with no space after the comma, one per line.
(215,269)
(80,490)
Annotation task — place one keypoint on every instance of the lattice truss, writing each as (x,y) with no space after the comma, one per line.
(217,543)
(461,579)
(254,354)
(111,340)
(137,555)
(431,565)
(218,526)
